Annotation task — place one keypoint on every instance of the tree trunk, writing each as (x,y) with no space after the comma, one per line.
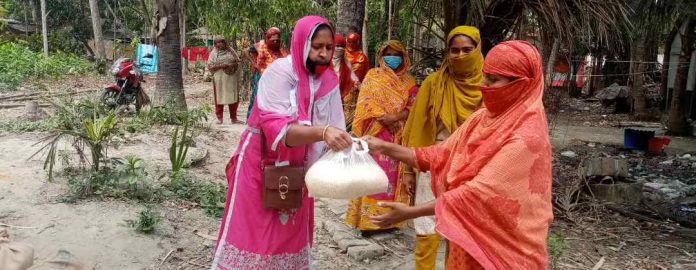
(637,78)
(44,28)
(390,5)
(351,14)
(169,86)
(416,55)
(452,11)
(35,12)
(96,29)
(85,43)
(552,61)
(677,116)
(153,23)
(182,23)
(364,30)
(664,78)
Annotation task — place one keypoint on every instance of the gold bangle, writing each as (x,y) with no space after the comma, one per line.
(409,172)
(323,133)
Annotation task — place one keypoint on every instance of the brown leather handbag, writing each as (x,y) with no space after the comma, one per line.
(282,185)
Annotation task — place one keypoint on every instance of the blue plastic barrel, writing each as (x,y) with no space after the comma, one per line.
(637,139)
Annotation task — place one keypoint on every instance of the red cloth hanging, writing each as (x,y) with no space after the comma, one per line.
(192,53)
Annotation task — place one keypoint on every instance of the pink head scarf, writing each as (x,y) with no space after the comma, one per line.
(299,52)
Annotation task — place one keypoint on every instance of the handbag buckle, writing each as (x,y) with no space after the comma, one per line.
(283,186)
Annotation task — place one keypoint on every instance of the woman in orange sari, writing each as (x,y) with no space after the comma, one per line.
(492,177)
(383,104)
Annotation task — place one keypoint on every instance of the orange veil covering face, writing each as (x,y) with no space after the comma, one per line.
(492,177)
(268,53)
(358,59)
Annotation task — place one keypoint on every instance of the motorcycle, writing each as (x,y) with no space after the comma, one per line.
(128,88)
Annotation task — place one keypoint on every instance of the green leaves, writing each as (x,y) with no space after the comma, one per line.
(134,169)
(19,63)
(178,149)
(99,129)
(146,221)
(93,135)
(252,18)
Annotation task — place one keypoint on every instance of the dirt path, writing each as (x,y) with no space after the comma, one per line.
(89,230)
(565,133)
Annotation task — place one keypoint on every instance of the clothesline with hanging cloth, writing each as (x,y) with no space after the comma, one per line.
(193,54)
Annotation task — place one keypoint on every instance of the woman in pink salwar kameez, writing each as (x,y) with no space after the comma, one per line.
(299,111)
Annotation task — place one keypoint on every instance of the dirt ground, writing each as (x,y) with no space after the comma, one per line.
(93,230)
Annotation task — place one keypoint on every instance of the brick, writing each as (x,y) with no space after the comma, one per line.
(365,252)
(345,244)
(333,227)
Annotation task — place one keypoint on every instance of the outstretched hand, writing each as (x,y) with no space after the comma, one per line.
(399,213)
(377,146)
(337,139)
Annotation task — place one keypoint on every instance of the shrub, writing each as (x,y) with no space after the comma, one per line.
(19,63)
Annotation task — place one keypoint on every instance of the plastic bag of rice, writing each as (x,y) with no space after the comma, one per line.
(347,174)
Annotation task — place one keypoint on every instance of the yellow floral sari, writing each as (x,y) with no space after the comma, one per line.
(384,91)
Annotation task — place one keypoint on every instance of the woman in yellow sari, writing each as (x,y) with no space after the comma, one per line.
(383,106)
(445,99)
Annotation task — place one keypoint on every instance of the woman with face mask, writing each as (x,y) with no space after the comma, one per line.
(492,176)
(261,55)
(385,98)
(297,117)
(445,100)
(348,81)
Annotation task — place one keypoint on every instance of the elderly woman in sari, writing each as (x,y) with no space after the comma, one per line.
(298,114)
(444,101)
(383,105)
(223,63)
(492,176)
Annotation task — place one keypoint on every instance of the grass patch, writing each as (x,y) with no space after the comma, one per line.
(210,196)
(20,125)
(20,63)
(109,183)
(557,245)
(146,221)
(130,181)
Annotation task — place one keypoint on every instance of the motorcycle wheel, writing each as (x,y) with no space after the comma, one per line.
(109,98)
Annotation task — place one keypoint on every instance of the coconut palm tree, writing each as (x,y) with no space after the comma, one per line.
(559,19)
(351,14)
(169,85)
